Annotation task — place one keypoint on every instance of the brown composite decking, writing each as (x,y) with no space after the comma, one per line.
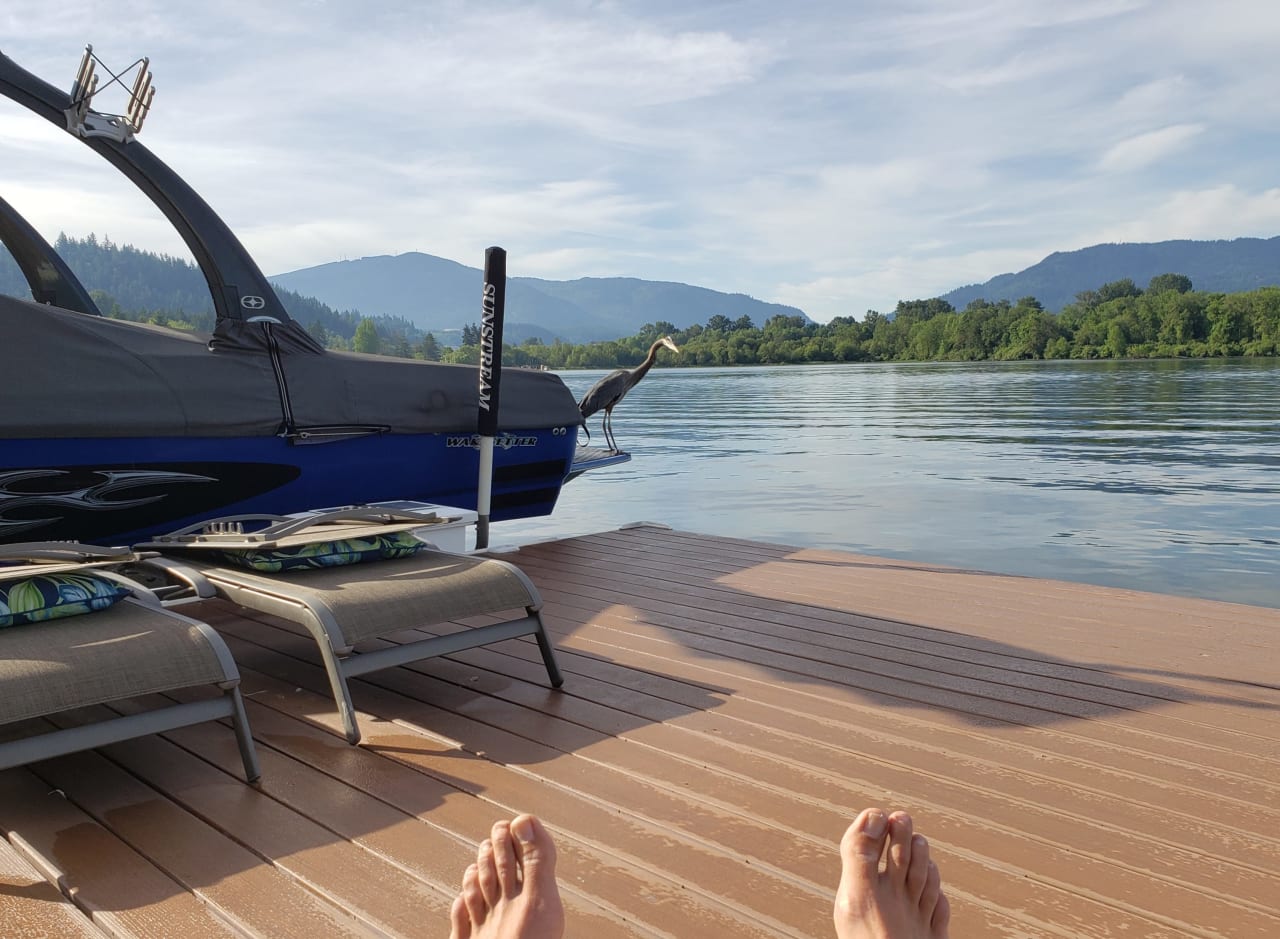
(1087,761)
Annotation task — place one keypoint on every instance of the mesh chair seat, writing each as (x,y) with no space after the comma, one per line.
(133,648)
(348,603)
(373,599)
(126,651)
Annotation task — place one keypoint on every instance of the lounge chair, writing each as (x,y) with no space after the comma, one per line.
(352,575)
(77,633)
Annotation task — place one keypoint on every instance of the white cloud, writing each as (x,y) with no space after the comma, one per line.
(562,263)
(840,159)
(1021,69)
(1141,150)
(901,277)
(1158,95)
(1224,211)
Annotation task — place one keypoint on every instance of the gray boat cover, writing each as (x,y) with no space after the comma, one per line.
(66,374)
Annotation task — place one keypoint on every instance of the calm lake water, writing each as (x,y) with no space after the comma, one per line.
(1161,476)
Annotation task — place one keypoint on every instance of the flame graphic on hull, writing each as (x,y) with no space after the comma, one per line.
(110,492)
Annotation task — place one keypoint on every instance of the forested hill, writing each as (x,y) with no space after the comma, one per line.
(406,296)
(1166,318)
(141,285)
(1225,266)
(438,294)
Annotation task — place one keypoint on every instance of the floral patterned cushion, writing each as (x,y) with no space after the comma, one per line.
(321,553)
(50,596)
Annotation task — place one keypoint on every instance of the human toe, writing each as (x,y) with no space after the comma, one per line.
(941,917)
(506,864)
(931,895)
(459,919)
(535,850)
(473,896)
(487,874)
(863,844)
(918,867)
(899,853)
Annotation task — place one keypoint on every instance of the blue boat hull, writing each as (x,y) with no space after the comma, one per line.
(124,490)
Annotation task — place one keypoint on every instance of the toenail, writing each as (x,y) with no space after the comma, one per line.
(523,831)
(874,827)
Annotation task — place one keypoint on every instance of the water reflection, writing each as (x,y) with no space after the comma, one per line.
(1152,475)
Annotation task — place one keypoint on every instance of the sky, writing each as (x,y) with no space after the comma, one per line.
(834,155)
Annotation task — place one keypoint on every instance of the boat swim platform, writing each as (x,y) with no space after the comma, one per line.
(1086,761)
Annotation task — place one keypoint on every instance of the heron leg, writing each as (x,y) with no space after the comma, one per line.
(608,429)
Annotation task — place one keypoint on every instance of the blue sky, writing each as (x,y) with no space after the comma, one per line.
(837,156)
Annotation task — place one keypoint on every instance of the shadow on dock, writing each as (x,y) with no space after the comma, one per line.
(1087,761)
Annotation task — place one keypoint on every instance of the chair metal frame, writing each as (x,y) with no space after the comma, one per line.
(291,599)
(51,557)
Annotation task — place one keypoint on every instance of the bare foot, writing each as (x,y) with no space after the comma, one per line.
(905,900)
(510,891)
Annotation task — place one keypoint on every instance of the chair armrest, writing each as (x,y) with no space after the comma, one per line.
(189,577)
(69,551)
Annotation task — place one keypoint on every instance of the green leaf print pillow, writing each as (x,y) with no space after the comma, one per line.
(401,544)
(50,596)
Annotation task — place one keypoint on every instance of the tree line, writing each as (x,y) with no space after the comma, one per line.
(143,286)
(1168,319)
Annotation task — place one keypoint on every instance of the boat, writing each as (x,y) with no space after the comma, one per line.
(113,431)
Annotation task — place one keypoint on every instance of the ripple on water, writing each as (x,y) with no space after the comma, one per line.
(1152,475)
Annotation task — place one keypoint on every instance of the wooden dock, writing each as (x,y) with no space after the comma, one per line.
(1086,761)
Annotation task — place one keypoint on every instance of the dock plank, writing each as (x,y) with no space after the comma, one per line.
(1087,762)
(115,886)
(31,907)
(255,897)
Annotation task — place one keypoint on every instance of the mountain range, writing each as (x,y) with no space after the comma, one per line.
(431,294)
(1214,266)
(441,296)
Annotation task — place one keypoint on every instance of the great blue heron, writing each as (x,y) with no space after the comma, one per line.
(608,391)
